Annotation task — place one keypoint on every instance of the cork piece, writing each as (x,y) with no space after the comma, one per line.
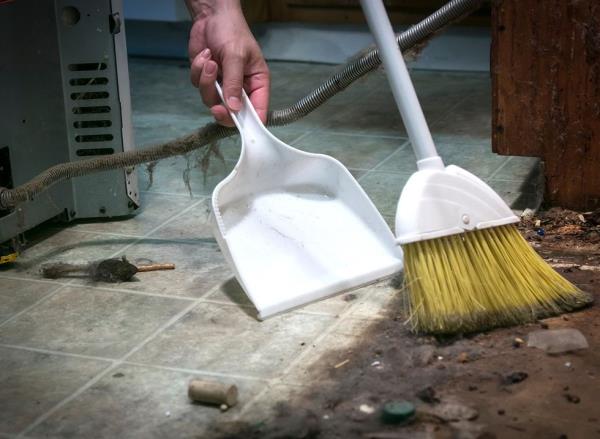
(213,392)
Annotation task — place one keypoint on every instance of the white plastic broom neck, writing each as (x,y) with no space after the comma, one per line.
(401,84)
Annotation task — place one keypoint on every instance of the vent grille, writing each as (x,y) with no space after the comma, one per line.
(89,94)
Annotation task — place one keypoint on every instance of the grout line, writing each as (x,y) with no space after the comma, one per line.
(196,371)
(447,114)
(301,136)
(57,283)
(299,358)
(87,232)
(102,374)
(372,136)
(147,235)
(401,148)
(57,353)
(502,166)
(140,293)
(142,237)
(174,194)
(101,288)
(68,399)
(115,364)
(252,307)
(36,303)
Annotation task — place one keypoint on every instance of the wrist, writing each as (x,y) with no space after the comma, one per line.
(202,9)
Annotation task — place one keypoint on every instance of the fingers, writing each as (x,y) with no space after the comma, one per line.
(206,84)
(221,115)
(197,66)
(233,79)
(258,86)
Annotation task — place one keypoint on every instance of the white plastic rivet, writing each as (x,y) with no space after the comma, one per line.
(466,219)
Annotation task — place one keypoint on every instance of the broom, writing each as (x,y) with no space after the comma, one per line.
(465,263)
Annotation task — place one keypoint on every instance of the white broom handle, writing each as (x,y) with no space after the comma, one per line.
(402,87)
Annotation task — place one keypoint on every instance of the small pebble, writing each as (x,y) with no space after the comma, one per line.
(568,364)
(514,378)
(463,357)
(167,414)
(325,417)
(365,408)
(572,398)
(375,363)
(224,407)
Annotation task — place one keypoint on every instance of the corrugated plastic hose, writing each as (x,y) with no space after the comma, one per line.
(451,12)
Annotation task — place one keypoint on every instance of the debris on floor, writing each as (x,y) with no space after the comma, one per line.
(108,270)
(216,393)
(514,378)
(557,341)
(397,412)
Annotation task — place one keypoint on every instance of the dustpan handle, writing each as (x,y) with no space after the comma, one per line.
(402,87)
(246,120)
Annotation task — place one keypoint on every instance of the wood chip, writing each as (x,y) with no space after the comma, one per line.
(343,363)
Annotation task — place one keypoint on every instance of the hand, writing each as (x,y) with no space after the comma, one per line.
(221,45)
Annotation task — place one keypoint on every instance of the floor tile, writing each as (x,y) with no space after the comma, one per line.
(231,292)
(193,224)
(16,295)
(155,209)
(521,169)
(474,157)
(375,300)
(90,322)
(32,383)
(384,188)
(517,194)
(327,356)
(225,339)
(355,152)
(141,402)
(470,120)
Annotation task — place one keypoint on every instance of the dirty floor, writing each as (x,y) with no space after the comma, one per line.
(81,359)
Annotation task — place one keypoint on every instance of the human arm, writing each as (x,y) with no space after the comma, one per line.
(221,45)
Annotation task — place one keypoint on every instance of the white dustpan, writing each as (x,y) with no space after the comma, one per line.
(296,227)
(437,200)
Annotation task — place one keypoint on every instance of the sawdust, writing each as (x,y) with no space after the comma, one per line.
(515,390)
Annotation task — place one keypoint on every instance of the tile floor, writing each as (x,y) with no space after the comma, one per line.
(99,360)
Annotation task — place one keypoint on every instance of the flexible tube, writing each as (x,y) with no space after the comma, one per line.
(452,11)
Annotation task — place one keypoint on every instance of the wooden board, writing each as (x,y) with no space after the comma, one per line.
(348,11)
(546,92)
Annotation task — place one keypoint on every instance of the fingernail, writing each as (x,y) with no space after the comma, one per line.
(205,53)
(210,68)
(234,103)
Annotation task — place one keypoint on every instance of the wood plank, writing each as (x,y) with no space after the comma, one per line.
(348,11)
(546,92)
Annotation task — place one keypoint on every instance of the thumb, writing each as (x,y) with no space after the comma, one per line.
(233,80)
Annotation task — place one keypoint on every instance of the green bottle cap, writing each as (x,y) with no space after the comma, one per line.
(397,412)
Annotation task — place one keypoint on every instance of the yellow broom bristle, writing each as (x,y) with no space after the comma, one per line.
(482,279)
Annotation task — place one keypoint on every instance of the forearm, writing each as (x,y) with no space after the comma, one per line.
(204,8)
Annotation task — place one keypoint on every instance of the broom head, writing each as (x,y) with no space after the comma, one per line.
(466,265)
